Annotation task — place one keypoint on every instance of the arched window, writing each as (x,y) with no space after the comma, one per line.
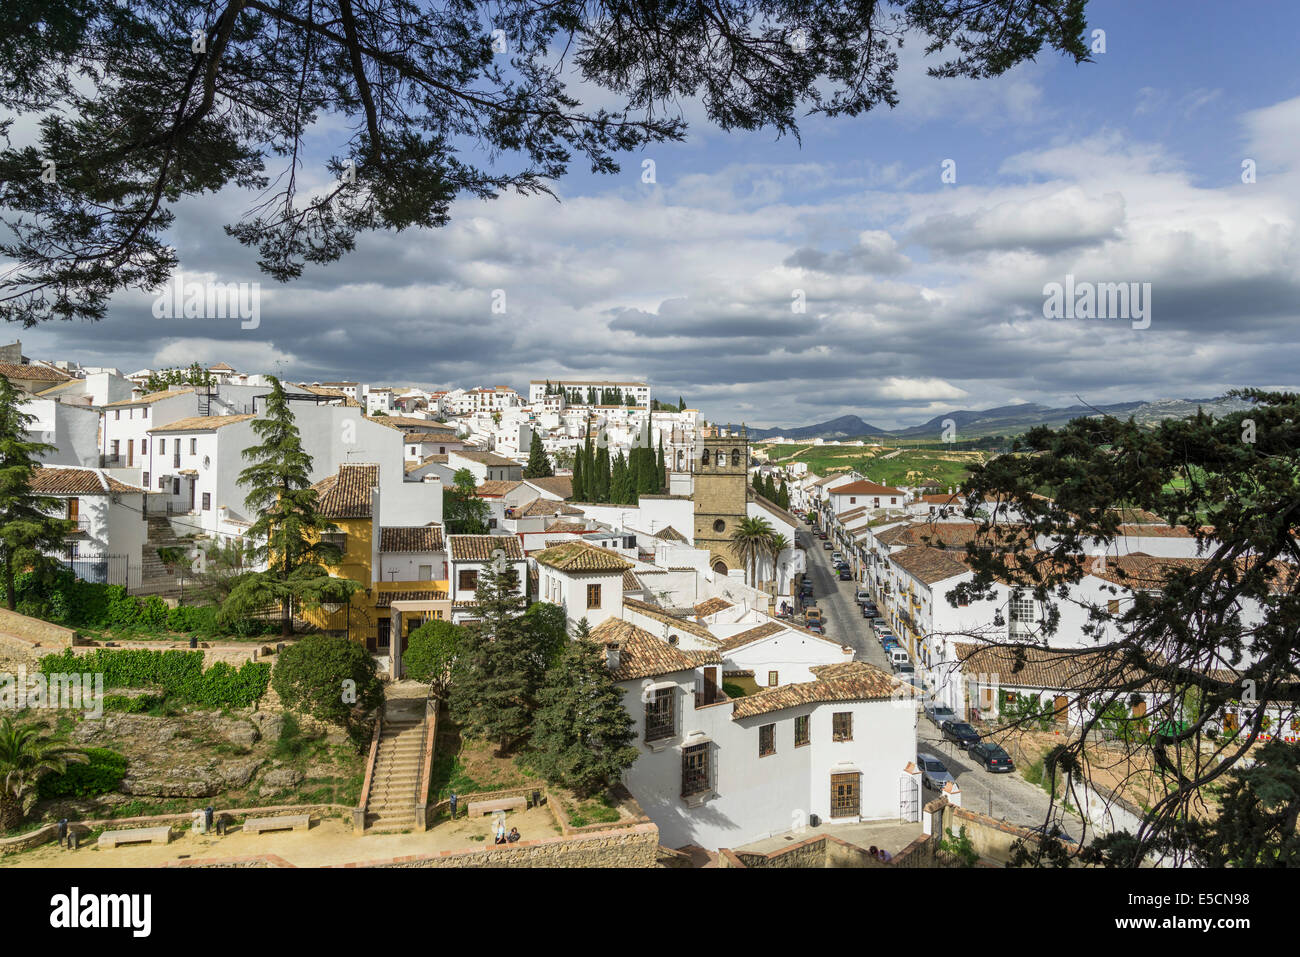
(735,459)
(704,457)
(681,459)
(720,567)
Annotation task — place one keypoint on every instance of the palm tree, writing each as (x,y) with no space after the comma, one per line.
(777,545)
(25,758)
(751,540)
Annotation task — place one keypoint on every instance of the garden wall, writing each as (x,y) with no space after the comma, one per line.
(33,631)
(621,847)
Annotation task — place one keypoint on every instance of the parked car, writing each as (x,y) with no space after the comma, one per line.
(837,556)
(816,627)
(812,613)
(904,669)
(939,713)
(992,757)
(868,612)
(846,575)
(863,597)
(823,536)
(960,733)
(897,656)
(879,624)
(825,544)
(933,774)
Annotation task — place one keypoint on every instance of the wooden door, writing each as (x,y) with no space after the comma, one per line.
(710,685)
(845,796)
(1062,709)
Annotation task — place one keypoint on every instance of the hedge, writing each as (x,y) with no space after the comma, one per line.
(179,673)
(102,774)
(67,600)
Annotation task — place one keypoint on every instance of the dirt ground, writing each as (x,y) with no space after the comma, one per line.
(328,842)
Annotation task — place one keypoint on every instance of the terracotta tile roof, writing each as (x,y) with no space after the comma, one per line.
(846,681)
(411,538)
(561,485)
(496,488)
(32,373)
(631,582)
(149,399)
(427,460)
(775,509)
(48,480)
(479,548)
(765,630)
(428,437)
(658,614)
(866,488)
(642,655)
(938,533)
(1155,531)
(670,534)
(712,606)
(929,565)
(1032,666)
(582,557)
(546,507)
(346,494)
(851,514)
(577,528)
(385,599)
(404,422)
(201,423)
(485,458)
(220,367)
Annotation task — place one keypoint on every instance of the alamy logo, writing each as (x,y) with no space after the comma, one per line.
(73,910)
(1129,301)
(182,299)
(71,692)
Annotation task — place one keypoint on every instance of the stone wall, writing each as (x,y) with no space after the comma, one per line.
(622,847)
(822,851)
(991,838)
(25,631)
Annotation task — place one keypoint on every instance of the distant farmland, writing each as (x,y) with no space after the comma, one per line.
(888,465)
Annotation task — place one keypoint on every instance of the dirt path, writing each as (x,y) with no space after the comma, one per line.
(328,842)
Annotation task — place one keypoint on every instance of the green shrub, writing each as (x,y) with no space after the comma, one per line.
(180,674)
(153,614)
(132,704)
(102,774)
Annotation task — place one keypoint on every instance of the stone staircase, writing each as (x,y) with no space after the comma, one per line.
(155,579)
(391,801)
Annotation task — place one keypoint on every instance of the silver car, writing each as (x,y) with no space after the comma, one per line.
(933,774)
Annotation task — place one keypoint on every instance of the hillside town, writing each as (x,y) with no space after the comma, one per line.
(793,673)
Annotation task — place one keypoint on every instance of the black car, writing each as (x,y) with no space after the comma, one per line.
(869,612)
(846,575)
(992,757)
(960,733)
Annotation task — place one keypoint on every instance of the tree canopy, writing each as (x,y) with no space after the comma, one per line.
(143,103)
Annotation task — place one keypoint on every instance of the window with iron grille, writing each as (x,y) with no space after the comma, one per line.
(766,740)
(842,726)
(207,501)
(593,596)
(844,795)
(695,770)
(468,580)
(660,721)
(801,730)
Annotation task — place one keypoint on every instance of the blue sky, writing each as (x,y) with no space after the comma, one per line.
(922,296)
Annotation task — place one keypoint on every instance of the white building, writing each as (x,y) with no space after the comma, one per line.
(108,530)
(470,556)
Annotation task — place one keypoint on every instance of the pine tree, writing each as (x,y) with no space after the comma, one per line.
(583,735)
(27,529)
(288,528)
(539,465)
(498,670)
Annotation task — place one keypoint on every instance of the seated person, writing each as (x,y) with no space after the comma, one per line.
(513,836)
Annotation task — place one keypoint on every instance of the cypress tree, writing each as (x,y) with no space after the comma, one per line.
(497,673)
(661,466)
(583,735)
(539,465)
(27,529)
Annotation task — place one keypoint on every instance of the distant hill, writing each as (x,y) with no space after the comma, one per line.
(1004,420)
(845,427)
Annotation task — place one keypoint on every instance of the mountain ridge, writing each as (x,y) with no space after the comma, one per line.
(1006,420)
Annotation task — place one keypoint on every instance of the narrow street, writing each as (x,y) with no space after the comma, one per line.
(1005,796)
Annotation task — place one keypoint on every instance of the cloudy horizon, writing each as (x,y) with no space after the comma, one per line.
(919,295)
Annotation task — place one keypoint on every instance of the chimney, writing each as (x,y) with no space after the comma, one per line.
(613,657)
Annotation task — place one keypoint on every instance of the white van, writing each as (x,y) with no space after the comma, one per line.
(898,656)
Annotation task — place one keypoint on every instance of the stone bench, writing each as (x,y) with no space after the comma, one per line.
(137,835)
(287,822)
(501,804)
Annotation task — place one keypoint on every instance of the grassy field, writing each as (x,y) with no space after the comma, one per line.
(888,465)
